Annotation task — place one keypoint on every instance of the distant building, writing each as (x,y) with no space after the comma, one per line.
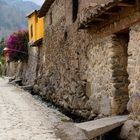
(35,28)
(36,34)
(28,71)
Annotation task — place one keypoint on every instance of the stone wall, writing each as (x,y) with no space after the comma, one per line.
(85,3)
(11,68)
(28,71)
(98,74)
(131,129)
(83,74)
(107,76)
(119,60)
(31,66)
(32,70)
(41,61)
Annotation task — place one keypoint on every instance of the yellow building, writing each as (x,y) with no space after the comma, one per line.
(35,28)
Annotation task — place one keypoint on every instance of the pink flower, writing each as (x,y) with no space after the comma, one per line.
(17,43)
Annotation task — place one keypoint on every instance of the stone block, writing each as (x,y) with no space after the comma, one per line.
(134,104)
(130,130)
(105,105)
(101,126)
(68,131)
(88,89)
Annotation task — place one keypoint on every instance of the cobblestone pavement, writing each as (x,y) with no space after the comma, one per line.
(22,117)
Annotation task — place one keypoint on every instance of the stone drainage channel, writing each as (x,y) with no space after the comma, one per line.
(113,135)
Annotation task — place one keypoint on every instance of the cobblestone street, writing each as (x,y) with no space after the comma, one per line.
(23,117)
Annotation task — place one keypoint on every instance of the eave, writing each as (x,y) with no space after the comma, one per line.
(103,13)
(45,8)
(37,43)
(31,13)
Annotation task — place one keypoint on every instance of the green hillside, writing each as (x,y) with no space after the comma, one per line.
(12,15)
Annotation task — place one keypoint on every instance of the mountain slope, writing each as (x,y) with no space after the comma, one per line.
(12,15)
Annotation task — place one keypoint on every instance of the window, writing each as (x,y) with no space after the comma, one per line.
(75,5)
(31,29)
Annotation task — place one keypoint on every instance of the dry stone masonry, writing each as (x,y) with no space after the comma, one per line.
(83,73)
(89,71)
(88,65)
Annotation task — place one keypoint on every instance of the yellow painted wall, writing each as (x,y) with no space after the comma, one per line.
(38,27)
(32,22)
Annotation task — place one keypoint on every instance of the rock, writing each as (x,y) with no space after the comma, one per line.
(92,116)
(65,104)
(83,113)
(88,89)
(12,78)
(137,85)
(16,81)
(42,94)
(36,89)
(105,105)
(134,104)
(68,131)
(93,104)
(28,88)
(130,130)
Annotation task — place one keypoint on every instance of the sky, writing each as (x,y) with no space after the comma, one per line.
(39,2)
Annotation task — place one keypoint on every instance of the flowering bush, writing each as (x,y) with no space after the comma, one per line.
(17,46)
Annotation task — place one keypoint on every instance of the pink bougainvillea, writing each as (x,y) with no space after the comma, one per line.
(17,46)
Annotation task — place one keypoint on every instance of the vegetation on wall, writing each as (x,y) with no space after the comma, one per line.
(17,46)
(2,46)
(2,60)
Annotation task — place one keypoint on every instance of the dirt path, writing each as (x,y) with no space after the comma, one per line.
(22,117)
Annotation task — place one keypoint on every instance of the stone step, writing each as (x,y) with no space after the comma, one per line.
(99,127)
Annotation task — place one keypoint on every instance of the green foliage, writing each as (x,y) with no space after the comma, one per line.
(2,46)
(2,61)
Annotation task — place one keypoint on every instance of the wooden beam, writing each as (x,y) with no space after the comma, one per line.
(117,1)
(127,22)
(138,4)
(125,5)
(111,13)
(99,19)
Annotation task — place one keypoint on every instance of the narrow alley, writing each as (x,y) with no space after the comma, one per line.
(22,117)
(26,117)
(70,70)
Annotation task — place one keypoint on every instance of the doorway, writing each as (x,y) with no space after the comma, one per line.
(120,94)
